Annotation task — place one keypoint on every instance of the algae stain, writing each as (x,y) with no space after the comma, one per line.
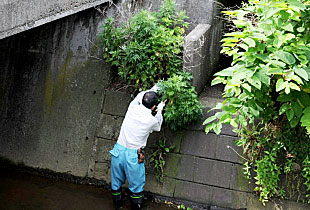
(54,87)
(48,99)
(62,75)
(58,86)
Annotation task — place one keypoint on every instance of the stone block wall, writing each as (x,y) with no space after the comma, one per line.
(202,168)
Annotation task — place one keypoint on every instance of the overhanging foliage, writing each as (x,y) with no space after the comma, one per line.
(267,89)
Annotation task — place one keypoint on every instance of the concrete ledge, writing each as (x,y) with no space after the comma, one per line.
(196,55)
(20,15)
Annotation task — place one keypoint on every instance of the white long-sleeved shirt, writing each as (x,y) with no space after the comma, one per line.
(138,124)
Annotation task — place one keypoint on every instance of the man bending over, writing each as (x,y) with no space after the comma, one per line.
(144,115)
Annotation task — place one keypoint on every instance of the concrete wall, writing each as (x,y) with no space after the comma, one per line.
(52,88)
(201,54)
(20,15)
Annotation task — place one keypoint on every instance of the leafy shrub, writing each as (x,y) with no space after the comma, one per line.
(183,107)
(268,82)
(147,48)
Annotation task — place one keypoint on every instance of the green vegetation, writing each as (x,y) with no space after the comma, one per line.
(183,101)
(148,49)
(266,93)
(158,158)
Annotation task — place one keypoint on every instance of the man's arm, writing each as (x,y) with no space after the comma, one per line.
(159,116)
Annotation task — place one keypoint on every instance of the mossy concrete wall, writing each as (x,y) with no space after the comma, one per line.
(57,113)
(52,88)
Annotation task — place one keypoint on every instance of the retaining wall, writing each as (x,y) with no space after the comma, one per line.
(58,113)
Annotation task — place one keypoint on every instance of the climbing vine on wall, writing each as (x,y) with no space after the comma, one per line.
(266,92)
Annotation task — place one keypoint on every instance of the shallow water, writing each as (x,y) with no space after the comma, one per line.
(23,191)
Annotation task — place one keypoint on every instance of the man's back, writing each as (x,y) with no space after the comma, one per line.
(137,125)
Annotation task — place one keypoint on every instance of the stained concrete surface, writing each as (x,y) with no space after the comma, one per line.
(23,191)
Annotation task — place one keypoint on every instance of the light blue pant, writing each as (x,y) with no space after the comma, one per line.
(124,164)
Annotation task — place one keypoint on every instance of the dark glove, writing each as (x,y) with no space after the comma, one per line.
(141,155)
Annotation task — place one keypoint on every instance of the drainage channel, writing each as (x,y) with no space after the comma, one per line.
(24,191)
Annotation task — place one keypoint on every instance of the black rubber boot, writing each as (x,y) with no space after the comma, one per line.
(136,200)
(117,198)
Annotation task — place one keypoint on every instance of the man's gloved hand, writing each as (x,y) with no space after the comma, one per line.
(161,106)
(155,88)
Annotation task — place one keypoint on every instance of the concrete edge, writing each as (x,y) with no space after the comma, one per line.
(49,19)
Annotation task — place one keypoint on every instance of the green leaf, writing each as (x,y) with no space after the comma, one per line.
(297,4)
(217,80)
(303,98)
(235,34)
(288,27)
(233,123)
(271,12)
(276,71)
(290,114)
(217,128)
(230,40)
(295,78)
(239,23)
(277,63)
(258,36)
(263,77)
(283,108)
(300,29)
(297,109)
(308,54)
(285,57)
(227,72)
(250,42)
(294,122)
(281,85)
(262,57)
(287,90)
(242,120)
(306,110)
(301,72)
(285,97)
(208,120)
(244,46)
(246,87)
(209,127)
(255,82)
(305,120)
(294,86)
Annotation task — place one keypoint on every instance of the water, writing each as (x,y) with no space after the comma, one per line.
(23,191)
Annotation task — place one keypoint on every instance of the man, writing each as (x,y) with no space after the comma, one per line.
(144,115)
